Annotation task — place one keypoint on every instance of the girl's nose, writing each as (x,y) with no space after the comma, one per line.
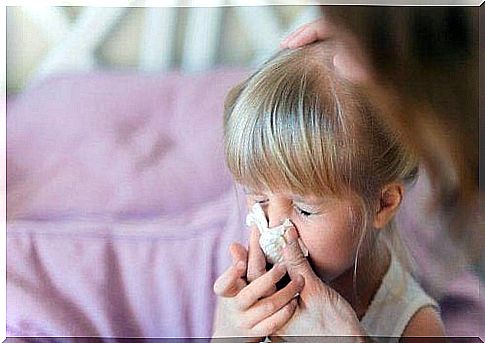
(276,214)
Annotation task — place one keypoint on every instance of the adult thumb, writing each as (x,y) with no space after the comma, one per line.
(295,261)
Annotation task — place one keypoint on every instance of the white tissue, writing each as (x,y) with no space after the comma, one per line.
(271,239)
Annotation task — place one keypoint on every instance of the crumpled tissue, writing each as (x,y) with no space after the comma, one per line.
(271,240)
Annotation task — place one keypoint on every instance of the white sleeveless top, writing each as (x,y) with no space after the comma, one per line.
(398,298)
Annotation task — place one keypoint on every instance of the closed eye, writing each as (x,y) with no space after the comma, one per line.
(303,212)
(257,199)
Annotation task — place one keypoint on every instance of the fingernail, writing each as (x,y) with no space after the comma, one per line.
(291,235)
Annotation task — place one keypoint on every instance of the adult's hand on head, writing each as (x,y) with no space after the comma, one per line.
(317,30)
(321,311)
(349,60)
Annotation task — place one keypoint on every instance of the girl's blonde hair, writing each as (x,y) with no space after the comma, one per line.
(295,125)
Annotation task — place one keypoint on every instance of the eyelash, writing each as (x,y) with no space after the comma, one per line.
(300,212)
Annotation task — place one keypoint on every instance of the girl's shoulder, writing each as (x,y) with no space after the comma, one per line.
(400,305)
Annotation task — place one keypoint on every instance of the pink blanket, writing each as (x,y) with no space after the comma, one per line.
(121,210)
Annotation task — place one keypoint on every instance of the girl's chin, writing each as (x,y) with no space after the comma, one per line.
(325,276)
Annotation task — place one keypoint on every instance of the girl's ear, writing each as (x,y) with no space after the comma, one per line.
(391,197)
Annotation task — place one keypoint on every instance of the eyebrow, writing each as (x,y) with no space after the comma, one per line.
(295,197)
(300,199)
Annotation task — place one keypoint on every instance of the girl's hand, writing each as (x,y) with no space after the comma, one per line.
(349,59)
(255,309)
(233,279)
(321,311)
(249,313)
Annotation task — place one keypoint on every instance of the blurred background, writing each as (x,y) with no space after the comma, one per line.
(115,166)
(115,163)
(42,41)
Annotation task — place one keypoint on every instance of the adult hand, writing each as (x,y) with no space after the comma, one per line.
(321,311)
(317,30)
(349,59)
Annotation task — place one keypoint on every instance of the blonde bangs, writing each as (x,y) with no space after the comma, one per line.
(276,137)
(296,126)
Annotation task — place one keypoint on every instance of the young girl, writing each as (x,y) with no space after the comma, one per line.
(308,147)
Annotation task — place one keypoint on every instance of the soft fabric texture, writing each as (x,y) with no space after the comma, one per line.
(121,210)
(398,298)
(142,278)
(116,144)
(271,240)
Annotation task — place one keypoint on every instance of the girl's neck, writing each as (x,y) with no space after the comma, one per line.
(370,272)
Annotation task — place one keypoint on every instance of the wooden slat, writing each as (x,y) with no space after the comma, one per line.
(201,41)
(76,51)
(51,20)
(157,43)
(263,30)
(306,15)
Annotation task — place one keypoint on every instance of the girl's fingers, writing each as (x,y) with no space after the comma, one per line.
(267,306)
(231,282)
(255,290)
(295,261)
(277,320)
(238,253)
(256,258)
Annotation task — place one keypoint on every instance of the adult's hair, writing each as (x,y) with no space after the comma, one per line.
(425,63)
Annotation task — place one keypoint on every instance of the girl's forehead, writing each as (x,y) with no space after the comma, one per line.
(309,197)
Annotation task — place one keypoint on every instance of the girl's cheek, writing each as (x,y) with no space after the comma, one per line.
(305,232)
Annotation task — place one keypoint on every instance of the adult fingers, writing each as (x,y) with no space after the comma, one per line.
(284,42)
(231,282)
(317,30)
(256,290)
(295,262)
(256,258)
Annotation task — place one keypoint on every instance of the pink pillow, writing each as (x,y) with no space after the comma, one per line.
(120,207)
(116,144)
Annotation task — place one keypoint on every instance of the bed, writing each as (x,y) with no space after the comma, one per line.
(120,209)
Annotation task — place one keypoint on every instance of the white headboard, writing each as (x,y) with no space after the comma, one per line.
(188,38)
